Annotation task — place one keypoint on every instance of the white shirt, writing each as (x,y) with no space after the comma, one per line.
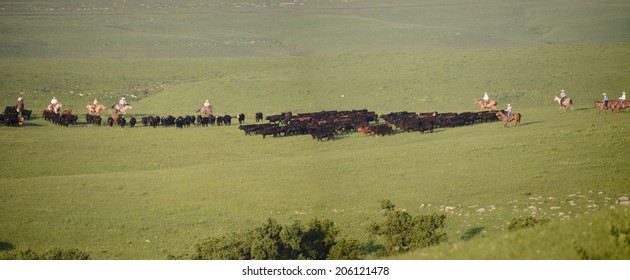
(54,101)
(485,97)
(623,97)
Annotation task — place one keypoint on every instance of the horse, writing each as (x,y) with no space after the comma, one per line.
(207,111)
(613,105)
(54,108)
(95,108)
(565,103)
(513,117)
(491,104)
(122,109)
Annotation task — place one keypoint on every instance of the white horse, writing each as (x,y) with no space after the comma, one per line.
(95,108)
(122,109)
(54,108)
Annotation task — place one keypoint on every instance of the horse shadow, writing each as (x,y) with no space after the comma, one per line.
(529,123)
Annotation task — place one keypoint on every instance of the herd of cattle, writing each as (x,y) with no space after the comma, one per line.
(320,125)
(327,124)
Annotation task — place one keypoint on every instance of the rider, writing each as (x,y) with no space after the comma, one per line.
(122,103)
(508,111)
(605,100)
(563,95)
(20,104)
(485,99)
(95,102)
(622,99)
(206,104)
(53,102)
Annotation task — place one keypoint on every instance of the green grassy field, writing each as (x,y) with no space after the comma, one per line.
(146,193)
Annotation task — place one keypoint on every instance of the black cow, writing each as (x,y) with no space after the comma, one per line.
(227,120)
(132,122)
(122,122)
(97,120)
(259,116)
(203,121)
(27,114)
(241,118)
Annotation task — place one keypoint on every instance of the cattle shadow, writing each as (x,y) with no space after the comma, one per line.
(31,124)
(471,233)
(6,246)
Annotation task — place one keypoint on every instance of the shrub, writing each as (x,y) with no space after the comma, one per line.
(403,232)
(272,241)
(346,249)
(521,223)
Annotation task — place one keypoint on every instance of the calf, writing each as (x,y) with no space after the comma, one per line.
(122,122)
(132,122)
(27,114)
(97,120)
(241,118)
(381,129)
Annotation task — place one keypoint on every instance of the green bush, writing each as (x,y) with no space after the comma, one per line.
(346,249)
(521,223)
(403,232)
(272,241)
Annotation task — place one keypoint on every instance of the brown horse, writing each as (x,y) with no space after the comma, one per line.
(491,104)
(95,108)
(566,103)
(613,105)
(513,117)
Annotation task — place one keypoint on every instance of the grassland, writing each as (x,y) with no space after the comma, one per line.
(145,193)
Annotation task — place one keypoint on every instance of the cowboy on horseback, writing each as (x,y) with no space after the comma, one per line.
(622,99)
(53,104)
(605,100)
(563,96)
(508,111)
(206,109)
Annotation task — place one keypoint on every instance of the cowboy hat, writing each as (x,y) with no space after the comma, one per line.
(604,93)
